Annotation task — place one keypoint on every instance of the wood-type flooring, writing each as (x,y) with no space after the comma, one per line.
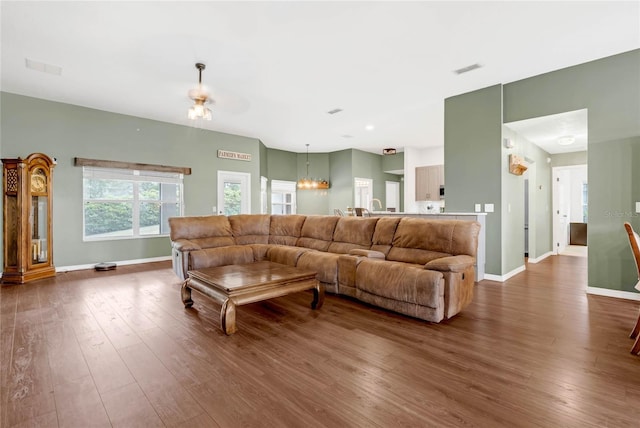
(119,349)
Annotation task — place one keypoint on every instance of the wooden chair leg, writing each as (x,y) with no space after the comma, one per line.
(636,329)
(635,349)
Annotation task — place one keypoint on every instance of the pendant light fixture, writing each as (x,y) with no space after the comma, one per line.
(200,97)
(307,183)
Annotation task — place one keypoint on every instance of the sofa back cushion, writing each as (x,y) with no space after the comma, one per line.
(317,232)
(352,233)
(250,228)
(285,229)
(383,234)
(206,231)
(421,240)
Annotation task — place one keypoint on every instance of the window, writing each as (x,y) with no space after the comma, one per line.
(124,203)
(283,197)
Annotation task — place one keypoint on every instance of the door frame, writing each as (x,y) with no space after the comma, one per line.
(245,182)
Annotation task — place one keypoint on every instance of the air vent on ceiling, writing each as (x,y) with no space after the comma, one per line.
(347,136)
(467,68)
(334,111)
(43,67)
(389,151)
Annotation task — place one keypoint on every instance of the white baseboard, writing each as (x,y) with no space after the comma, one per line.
(542,257)
(629,295)
(506,276)
(120,263)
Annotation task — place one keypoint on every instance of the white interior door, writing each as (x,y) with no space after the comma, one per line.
(234,193)
(392,196)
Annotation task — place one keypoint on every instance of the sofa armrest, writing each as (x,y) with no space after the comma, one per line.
(185,245)
(367,253)
(451,263)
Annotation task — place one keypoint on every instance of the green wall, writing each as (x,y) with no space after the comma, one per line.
(370,165)
(393,162)
(610,89)
(65,131)
(612,197)
(341,195)
(314,201)
(473,161)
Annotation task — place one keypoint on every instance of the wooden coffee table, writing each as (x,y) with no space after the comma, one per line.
(235,285)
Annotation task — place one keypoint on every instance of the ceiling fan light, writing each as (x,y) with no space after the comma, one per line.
(199,97)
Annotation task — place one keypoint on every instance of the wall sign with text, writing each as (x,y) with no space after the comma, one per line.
(234,155)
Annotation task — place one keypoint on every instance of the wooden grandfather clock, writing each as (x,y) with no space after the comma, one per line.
(28,202)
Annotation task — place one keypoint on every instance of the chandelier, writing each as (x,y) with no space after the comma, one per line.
(200,97)
(307,183)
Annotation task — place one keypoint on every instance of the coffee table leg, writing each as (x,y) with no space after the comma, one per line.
(318,296)
(185,293)
(228,317)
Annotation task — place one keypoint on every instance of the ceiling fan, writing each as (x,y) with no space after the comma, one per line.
(200,97)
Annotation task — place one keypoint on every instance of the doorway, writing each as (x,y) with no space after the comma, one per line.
(570,218)
(363,196)
(234,193)
(392,196)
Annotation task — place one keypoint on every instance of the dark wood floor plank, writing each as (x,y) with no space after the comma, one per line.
(78,404)
(128,407)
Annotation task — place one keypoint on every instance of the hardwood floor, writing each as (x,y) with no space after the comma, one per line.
(119,349)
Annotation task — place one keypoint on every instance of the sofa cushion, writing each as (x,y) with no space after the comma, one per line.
(285,254)
(400,282)
(383,234)
(317,232)
(326,264)
(285,229)
(420,241)
(204,231)
(250,228)
(220,256)
(444,236)
(352,233)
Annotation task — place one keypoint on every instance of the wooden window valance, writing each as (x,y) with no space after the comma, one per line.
(130,165)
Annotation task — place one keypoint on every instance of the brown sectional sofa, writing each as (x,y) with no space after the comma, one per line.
(415,266)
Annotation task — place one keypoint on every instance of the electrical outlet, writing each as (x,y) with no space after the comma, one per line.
(638,207)
(488,208)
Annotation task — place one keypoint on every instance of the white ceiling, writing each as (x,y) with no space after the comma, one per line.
(276,68)
(545,131)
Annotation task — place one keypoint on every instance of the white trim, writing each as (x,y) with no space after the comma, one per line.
(63,269)
(619,294)
(503,278)
(541,258)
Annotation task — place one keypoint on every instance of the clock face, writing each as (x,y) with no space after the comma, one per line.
(38,184)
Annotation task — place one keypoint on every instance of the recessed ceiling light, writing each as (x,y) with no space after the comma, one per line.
(567,140)
(468,68)
(369,127)
(41,66)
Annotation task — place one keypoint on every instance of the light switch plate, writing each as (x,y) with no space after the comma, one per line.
(488,208)
(638,207)
(478,208)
